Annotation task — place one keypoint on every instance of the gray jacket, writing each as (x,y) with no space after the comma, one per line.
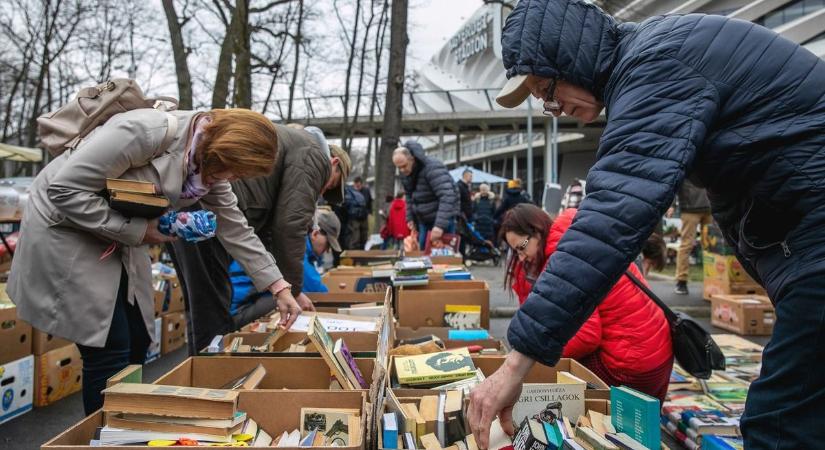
(432,197)
(59,279)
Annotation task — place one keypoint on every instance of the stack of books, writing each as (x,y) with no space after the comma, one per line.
(412,272)
(134,198)
(337,356)
(158,414)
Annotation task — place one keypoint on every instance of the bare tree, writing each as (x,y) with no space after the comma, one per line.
(352,44)
(179,51)
(363,58)
(298,38)
(385,170)
(380,35)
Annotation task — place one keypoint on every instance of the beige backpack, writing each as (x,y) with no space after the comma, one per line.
(64,128)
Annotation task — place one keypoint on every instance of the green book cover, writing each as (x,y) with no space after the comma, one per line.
(637,415)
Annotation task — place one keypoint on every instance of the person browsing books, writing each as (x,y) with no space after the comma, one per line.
(732,106)
(248,304)
(82,269)
(626,340)
(279,206)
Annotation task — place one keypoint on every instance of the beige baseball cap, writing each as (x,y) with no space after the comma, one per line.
(328,222)
(514,92)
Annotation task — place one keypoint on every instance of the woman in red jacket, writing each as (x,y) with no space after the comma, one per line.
(626,341)
(396,229)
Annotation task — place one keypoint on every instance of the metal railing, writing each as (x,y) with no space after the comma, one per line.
(415,102)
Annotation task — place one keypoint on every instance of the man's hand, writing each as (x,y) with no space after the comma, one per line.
(154,236)
(411,225)
(436,233)
(287,307)
(496,396)
(305,303)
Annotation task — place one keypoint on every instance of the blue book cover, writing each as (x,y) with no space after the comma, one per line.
(468,335)
(390,430)
(712,442)
(637,415)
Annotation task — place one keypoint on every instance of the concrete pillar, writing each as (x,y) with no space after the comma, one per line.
(530,147)
(515,165)
(441,143)
(458,148)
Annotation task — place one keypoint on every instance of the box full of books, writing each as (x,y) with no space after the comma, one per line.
(139,415)
(368,257)
(477,341)
(426,306)
(217,372)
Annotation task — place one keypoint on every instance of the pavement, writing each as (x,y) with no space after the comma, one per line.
(33,429)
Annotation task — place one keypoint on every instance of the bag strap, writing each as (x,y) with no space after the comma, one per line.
(669,314)
(171,132)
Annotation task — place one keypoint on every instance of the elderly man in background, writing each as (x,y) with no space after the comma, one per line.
(432,200)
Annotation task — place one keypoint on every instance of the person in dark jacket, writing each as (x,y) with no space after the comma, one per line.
(280,207)
(728,103)
(513,195)
(465,193)
(694,210)
(484,205)
(432,199)
(359,205)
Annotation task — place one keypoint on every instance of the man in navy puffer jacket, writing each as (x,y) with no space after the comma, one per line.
(731,105)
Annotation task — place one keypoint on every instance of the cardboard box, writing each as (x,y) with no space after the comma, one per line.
(403,333)
(596,388)
(743,314)
(58,374)
(153,351)
(355,282)
(43,342)
(423,306)
(16,388)
(176,302)
(293,373)
(368,257)
(173,334)
(160,298)
(331,301)
(258,405)
(361,344)
(724,275)
(15,335)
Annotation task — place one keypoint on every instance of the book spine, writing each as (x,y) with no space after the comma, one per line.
(433,379)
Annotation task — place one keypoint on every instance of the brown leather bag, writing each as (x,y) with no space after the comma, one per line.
(65,127)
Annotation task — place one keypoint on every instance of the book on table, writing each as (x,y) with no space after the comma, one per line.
(326,347)
(636,414)
(435,368)
(176,401)
(344,358)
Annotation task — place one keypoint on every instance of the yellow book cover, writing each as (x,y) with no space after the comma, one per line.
(435,368)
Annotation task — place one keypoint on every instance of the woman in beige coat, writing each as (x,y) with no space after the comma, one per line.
(82,270)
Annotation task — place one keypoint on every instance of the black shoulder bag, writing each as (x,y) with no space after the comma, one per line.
(693,347)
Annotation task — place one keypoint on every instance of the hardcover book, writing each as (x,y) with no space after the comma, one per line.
(637,415)
(435,368)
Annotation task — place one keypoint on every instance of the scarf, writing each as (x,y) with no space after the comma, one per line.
(193,185)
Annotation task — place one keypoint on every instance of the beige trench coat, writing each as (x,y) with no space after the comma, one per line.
(59,281)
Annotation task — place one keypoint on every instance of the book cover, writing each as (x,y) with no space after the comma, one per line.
(344,357)
(462,317)
(722,443)
(263,439)
(249,380)
(588,437)
(170,427)
(409,441)
(711,422)
(454,430)
(530,436)
(535,397)
(441,420)
(624,441)
(117,436)
(555,439)
(138,205)
(636,414)
(133,373)
(428,407)
(176,401)
(434,368)
(414,422)
(325,346)
(240,417)
(333,424)
(389,430)
(136,186)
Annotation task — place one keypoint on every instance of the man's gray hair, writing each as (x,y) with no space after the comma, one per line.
(402,151)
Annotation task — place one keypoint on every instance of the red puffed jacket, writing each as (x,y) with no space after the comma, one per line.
(628,329)
(396,226)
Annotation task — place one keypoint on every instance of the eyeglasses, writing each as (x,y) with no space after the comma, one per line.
(522,247)
(551,105)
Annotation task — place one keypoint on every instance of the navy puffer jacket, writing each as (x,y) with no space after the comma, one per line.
(432,197)
(733,105)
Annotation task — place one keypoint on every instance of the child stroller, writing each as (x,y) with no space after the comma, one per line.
(476,248)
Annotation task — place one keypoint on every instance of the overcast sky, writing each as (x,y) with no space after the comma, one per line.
(432,22)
